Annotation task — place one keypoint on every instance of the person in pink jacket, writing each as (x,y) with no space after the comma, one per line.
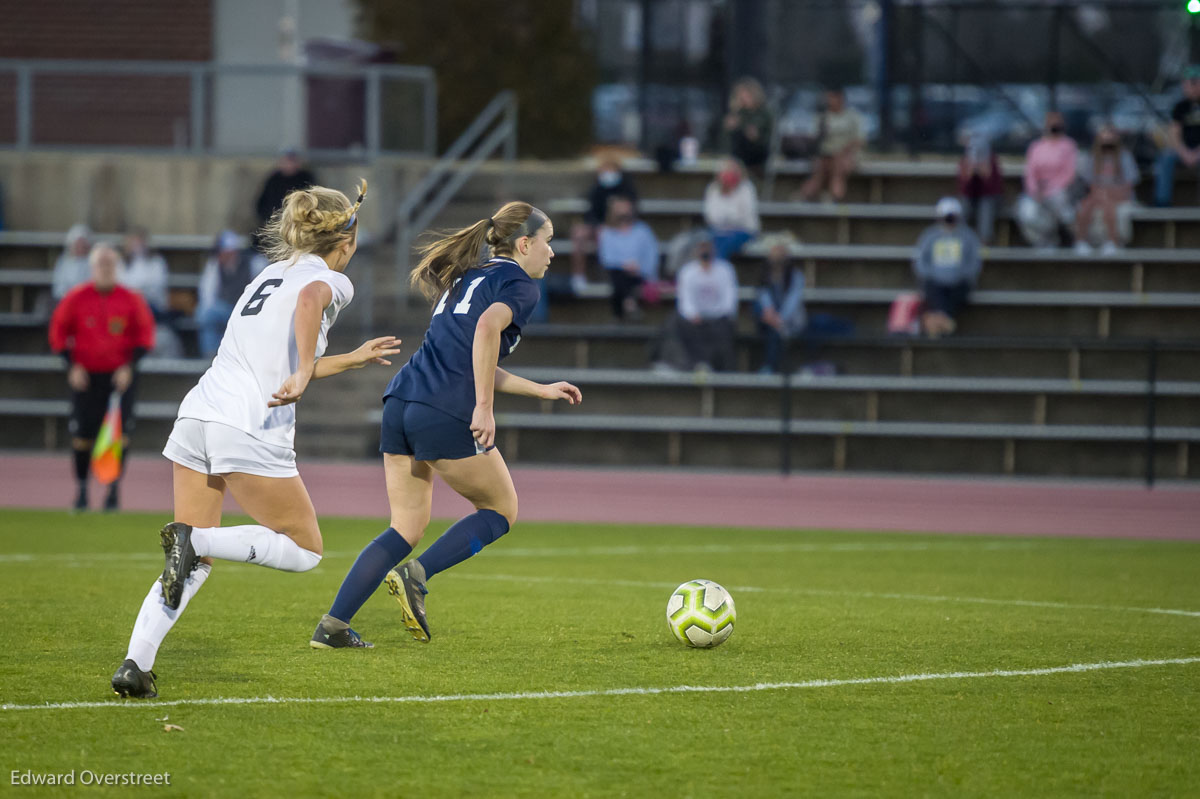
(1050,165)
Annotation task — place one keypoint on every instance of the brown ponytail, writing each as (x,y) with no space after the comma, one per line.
(446,259)
(315,220)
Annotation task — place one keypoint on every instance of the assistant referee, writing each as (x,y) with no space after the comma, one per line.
(102,330)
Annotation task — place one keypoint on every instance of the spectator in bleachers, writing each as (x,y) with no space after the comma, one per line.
(146,273)
(226,273)
(981,186)
(779,308)
(779,305)
(611,181)
(731,209)
(1110,174)
(1050,168)
(746,130)
(947,263)
(839,140)
(290,174)
(1183,145)
(701,333)
(102,329)
(628,251)
(72,269)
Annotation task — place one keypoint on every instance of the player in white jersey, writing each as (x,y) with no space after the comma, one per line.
(236,428)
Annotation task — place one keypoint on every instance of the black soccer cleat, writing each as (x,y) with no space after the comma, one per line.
(81,499)
(131,682)
(181,561)
(326,637)
(407,584)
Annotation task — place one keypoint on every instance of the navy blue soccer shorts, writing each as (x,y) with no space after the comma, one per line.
(424,432)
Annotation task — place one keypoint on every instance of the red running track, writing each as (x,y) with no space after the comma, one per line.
(1002,507)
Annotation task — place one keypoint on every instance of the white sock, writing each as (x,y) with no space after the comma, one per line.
(253,543)
(155,619)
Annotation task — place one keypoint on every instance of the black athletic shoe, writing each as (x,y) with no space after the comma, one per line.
(132,682)
(326,637)
(112,502)
(181,560)
(81,499)
(407,584)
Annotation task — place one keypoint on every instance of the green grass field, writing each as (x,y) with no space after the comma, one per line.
(576,608)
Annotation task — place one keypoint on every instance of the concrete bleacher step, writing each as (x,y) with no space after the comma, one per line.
(630,347)
(883,224)
(994,313)
(876,180)
(823,446)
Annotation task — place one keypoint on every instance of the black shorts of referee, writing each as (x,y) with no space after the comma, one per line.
(89,406)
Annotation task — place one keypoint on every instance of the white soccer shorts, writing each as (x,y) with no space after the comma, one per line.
(215,448)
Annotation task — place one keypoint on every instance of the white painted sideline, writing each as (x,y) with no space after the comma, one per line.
(974,600)
(645,691)
(634,549)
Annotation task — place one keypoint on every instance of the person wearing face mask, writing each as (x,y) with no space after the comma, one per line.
(1183,145)
(701,334)
(1050,165)
(1110,173)
(731,209)
(628,251)
(611,181)
(947,264)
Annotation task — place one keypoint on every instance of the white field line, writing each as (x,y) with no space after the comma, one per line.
(636,691)
(973,600)
(616,551)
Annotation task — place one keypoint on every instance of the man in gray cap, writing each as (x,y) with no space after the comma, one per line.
(947,263)
(1183,144)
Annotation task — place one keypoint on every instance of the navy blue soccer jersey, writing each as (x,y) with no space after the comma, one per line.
(441,373)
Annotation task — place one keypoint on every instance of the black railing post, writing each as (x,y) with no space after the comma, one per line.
(1052,73)
(785,410)
(1151,378)
(883,73)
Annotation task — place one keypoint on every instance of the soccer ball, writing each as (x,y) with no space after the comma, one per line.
(701,613)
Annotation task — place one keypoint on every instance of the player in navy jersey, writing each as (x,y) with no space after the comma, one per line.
(437,412)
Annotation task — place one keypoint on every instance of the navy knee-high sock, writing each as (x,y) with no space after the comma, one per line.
(464,538)
(387,550)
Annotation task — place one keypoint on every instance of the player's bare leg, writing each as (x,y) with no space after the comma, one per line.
(198,501)
(410,496)
(485,482)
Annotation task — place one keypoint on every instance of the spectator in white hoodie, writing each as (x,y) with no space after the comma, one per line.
(72,268)
(145,271)
(701,334)
(731,209)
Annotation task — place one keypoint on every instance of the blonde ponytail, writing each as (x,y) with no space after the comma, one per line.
(315,220)
(446,259)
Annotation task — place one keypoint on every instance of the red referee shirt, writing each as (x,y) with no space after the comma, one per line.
(101,329)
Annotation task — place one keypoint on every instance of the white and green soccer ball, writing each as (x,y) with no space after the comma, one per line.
(701,613)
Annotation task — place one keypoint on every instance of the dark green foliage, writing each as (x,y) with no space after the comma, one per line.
(480,47)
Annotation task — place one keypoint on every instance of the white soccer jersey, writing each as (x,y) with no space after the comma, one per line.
(258,351)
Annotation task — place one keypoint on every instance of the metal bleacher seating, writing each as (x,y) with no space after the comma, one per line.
(1064,364)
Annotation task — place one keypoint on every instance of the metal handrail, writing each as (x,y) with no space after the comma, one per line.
(201,71)
(462,160)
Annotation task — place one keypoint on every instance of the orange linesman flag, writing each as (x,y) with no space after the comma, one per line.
(106,455)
